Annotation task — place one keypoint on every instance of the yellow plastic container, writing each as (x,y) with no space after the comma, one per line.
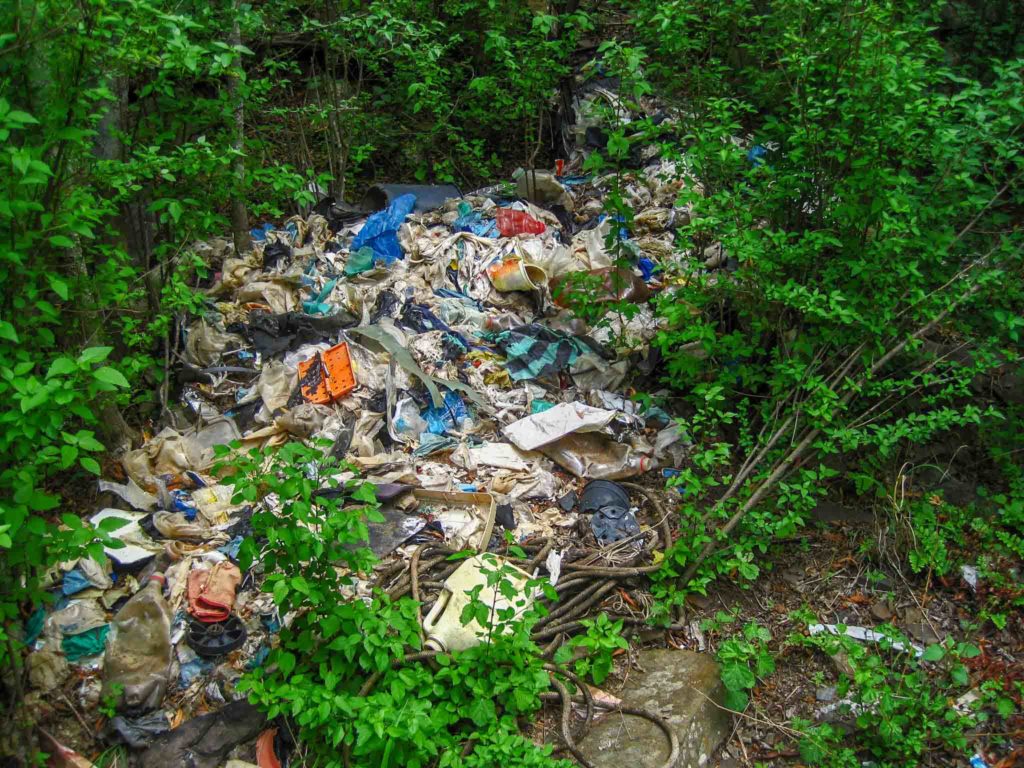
(443,625)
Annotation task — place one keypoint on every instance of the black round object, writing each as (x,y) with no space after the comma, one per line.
(604,496)
(217,638)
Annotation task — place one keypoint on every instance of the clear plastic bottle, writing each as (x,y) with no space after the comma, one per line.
(138,655)
(598,457)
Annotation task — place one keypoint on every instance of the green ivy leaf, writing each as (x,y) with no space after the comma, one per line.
(90,464)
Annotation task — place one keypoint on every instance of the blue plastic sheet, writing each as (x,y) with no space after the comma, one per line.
(647,268)
(449,416)
(259,234)
(380,231)
(475,223)
(34,626)
(75,582)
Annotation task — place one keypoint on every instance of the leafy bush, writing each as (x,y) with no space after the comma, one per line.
(346,670)
(869,236)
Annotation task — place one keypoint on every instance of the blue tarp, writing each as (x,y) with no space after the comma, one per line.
(380,231)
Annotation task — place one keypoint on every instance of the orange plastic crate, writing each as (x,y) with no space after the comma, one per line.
(326,377)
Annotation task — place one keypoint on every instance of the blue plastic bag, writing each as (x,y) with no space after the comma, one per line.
(380,231)
(448,416)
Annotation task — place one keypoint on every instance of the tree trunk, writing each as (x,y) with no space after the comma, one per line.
(239,215)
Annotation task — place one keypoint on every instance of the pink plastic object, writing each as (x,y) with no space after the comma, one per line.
(517,223)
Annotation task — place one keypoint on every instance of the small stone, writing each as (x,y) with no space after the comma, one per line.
(882,610)
(917,626)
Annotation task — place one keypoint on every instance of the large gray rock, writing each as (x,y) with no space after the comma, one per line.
(677,686)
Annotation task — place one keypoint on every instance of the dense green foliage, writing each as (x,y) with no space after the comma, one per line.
(881,213)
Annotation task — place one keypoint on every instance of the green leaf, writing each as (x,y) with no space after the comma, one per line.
(736,700)
(61,367)
(933,653)
(59,287)
(738,677)
(68,454)
(109,375)
(7,331)
(90,464)
(286,663)
(1005,707)
(969,650)
(94,355)
(62,241)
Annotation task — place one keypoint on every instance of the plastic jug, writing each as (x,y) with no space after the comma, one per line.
(598,457)
(443,625)
(138,655)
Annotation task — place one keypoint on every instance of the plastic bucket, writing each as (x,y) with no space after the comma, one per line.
(517,275)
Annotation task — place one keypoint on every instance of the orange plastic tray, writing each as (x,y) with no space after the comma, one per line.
(326,377)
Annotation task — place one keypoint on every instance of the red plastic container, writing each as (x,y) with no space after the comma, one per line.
(517,223)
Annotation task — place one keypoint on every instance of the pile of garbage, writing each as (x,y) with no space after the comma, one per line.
(430,344)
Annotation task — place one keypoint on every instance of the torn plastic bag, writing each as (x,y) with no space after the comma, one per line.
(542,187)
(84,644)
(404,359)
(539,429)
(273,335)
(136,732)
(138,546)
(380,230)
(450,415)
(173,525)
(173,453)
(474,222)
(276,254)
(214,503)
(276,384)
(278,292)
(360,261)
(205,741)
(131,493)
(205,343)
(500,455)
(467,518)
(534,483)
(304,420)
(407,422)
(396,528)
(77,617)
(534,350)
